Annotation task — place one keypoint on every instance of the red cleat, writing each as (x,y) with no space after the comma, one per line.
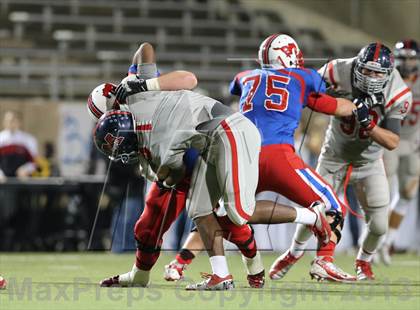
(282,265)
(3,283)
(256,280)
(364,270)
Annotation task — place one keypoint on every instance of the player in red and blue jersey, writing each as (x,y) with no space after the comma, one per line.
(273,98)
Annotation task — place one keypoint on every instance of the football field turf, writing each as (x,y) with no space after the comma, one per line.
(69,281)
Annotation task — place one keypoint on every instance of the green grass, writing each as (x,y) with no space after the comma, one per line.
(69,281)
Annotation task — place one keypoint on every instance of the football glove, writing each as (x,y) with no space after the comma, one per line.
(129,88)
(362,112)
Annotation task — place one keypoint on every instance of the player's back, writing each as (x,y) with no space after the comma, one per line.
(167,121)
(273,99)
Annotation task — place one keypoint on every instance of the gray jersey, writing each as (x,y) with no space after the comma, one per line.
(170,122)
(410,129)
(344,137)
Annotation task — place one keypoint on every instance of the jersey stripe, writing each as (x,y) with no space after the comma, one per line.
(396,97)
(300,79)
(331,73)
(235,171)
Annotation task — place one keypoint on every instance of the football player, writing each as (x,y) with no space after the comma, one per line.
(162,127)
(402,165)
(163,205)
(352,152)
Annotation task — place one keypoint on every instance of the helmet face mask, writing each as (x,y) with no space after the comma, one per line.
(407,57)
(115,136)
(373,68)
(280,51)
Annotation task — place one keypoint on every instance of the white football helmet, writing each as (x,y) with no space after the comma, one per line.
(101,99)
(280,51)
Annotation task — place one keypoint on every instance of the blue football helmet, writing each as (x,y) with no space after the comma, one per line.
(407,57)
(115,136)
(374,57)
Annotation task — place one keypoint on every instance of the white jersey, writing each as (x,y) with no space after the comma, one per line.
(169,122)
(345,138)
(410,129)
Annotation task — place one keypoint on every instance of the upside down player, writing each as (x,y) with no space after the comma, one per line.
(403,164)
(163,206)
(352,152)
(272,98)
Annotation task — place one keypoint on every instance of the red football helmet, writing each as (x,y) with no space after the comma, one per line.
(280,51)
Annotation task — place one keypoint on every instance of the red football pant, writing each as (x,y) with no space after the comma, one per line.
(284,172)
(162,208)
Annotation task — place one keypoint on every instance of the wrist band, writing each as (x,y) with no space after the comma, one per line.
(153,84)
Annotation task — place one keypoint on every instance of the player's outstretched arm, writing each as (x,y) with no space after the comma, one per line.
(177,80)
(326,104)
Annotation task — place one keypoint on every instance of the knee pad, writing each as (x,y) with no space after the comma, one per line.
(337,224)
(378,220)
(147,248)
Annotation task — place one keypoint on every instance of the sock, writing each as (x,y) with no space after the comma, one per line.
(327,252)
(390,237)
(253,265)
(219,266)
(304,216)
(185,257)
(364,256)
(297,249)
(302,235)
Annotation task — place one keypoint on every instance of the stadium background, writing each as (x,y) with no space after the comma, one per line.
(54,52)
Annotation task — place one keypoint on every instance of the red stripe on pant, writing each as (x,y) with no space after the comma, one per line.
(235,171)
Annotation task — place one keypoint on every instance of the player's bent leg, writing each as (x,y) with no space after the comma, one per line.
(162,208)
(285,262)
(212,236)
(243,238)
(377,222)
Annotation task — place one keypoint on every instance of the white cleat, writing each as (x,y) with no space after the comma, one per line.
(322,269)
(212,282)
(282,265)
(134,278)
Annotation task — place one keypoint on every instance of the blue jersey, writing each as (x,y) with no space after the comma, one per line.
(273,99)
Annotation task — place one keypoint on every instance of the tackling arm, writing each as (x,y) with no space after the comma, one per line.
(326,104)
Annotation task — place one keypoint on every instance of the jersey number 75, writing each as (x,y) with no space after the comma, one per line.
(277,98)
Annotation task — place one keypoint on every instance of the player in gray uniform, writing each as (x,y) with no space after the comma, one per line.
(403,164)
(353,148)
(169,123)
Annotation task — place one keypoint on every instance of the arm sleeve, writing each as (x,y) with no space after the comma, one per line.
(147,71)
(322,103)
(392,124)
